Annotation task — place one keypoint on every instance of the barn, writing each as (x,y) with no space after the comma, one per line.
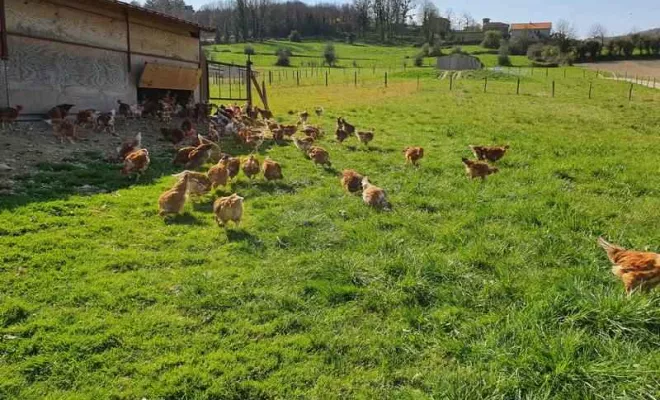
(92,53)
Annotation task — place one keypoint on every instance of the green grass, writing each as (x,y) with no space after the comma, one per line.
(361,55)
(464,290)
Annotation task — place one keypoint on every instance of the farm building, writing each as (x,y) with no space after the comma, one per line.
(92,53)
(532,30)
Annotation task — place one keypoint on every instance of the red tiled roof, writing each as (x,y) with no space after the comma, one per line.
(531,26)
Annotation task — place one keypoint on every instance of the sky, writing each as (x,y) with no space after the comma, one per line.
(617,16)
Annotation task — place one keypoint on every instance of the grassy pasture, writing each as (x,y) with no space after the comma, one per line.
(464,290)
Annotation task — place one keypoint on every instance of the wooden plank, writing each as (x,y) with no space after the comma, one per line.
(4,53)
(162,76)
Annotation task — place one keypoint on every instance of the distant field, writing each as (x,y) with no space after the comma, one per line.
(629,68)
(365,56)
(465,290)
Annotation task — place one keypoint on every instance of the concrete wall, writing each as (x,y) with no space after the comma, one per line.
(458,62)
(43,73)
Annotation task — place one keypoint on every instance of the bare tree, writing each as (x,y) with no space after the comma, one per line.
(598,31)
(450,15)
(564,34)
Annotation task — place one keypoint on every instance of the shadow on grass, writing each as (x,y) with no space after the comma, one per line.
(86,173)
(182,219)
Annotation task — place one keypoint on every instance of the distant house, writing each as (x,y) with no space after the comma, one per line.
(489,25)
(532,30)
(466,36)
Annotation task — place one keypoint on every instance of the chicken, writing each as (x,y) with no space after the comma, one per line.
(272,170)
(319,156)
(129,146)
(216,154)
(124,109)
(213,133)
(278,134)
(183,155)
(136,110)
(63,129)
(199,156)
(303,116)
(637,270)
(166,110)
(413,154)
(341,134)
(86,118)
(218,174)
(151,108)
(198,182)
(365,136)
(106,122)
(250,166)
(346,126)
(136,163)
(289,130)
(351,180)
(312,131)
(318,111)
(478,169)
(304,144)
(8,115)
(60,111)
(233,165)
(490,153)
(173,200)
(173,135)
(227,209)
(373,195)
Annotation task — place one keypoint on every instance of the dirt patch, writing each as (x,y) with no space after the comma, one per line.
(32,143)
(629,68)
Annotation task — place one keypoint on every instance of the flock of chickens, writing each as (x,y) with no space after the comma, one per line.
(637,270)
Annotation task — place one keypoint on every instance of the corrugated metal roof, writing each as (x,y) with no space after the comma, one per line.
(157,14)
(531,26)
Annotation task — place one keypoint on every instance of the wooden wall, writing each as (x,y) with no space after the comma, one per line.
(72,52)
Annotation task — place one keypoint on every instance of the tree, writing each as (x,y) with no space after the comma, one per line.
(492,39)
(329,54)
(564,34)
(598,31)
(294,36)
(430,17)
(503,54)
(283,55)
(362,11)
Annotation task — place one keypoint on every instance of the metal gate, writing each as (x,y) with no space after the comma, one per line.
(229,81)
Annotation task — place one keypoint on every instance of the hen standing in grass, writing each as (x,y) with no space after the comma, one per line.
(637,269)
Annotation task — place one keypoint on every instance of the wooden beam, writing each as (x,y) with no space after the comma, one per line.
(128,41)
(4,52)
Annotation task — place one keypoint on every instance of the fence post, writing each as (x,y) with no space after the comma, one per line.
(630,92)
(564,72)
(417,81)
(546,72)
(248,79)
(355,78)
(298,78)
(451,81)
(553,88)
(385,78)
(518,86)
(485,83)
(590,85)
(326,78)
(270,78)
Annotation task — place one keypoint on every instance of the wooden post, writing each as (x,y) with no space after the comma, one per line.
(485,83)
(630,92)
(385,78)
(553,88)
(518,86)
(451,82)
(355,78)
(590,86)
(417,81)
(298,78)
(128,38)
(326,78)
(546,72)
(270,78)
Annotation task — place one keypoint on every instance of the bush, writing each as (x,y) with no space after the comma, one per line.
(425,50)
(519,46)
(419,60)
(294,36)
(249,50)
(627,46)
(436,50)
(503,55)
(350,37)
(457,50)
(283,54)
(329,54)
(492,39)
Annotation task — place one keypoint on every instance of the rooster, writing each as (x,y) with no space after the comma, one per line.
(492,153)
(351,180)
(478,169)
(129,146)
(374,196)
(227,209)
(413,154)
(8,115)
(272,170)
(637,270)
(136,163)
(250,166)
